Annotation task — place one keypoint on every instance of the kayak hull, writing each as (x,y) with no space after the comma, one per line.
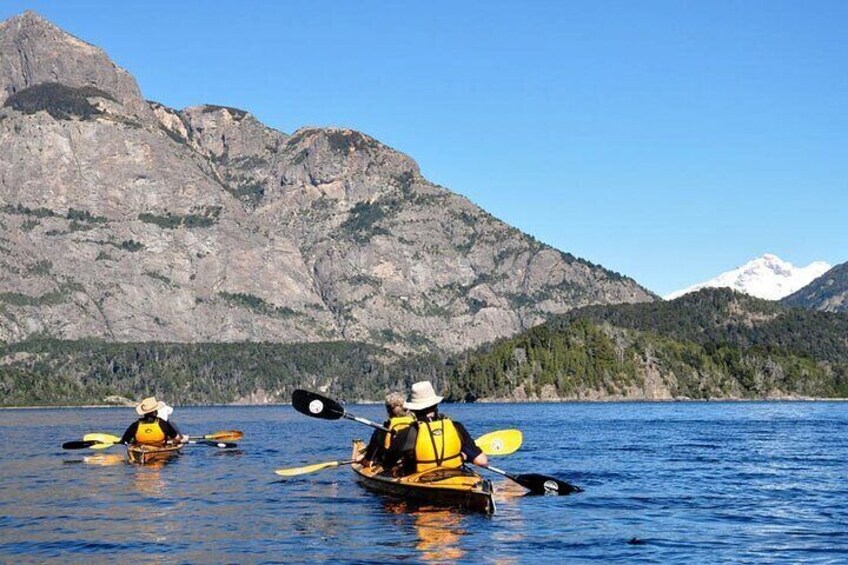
(459,488)
(148,454)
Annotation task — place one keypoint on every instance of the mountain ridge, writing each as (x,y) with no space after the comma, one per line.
(130,221)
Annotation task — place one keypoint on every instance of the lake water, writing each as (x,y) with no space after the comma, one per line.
(693,483)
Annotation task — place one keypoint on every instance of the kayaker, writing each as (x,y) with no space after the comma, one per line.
(399,419)
(434,440)
(150,429)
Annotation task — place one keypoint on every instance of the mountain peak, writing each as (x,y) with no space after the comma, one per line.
(768,277)
(33,51)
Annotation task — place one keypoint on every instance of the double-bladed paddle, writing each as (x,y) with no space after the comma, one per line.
(104,441)
(502,442)
(318,406)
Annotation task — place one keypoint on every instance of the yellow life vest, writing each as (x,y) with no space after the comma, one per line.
(437,445)
(397,424)
(149,433)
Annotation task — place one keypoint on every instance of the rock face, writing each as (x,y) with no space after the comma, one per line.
(130,221)
(829,292)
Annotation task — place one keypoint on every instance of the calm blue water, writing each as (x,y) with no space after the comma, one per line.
(694,483)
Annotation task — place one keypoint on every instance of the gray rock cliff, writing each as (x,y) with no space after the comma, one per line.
(130,221)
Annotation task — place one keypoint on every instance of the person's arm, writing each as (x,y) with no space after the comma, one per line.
(470,450)
(402,444)
(375,445)
(129,435)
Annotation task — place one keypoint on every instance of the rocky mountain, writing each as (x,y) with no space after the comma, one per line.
(126,220)
(829,292)
(767,277)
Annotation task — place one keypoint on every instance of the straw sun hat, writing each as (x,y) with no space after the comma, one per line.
(149,405)
(423,396)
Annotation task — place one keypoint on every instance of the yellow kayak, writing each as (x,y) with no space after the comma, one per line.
(147,454)
(450,487)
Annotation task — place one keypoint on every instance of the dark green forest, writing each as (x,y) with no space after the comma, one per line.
(708,345)
(715,343)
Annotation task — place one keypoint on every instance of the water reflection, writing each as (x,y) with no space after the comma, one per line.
(149,480)
(439,531)
(104,459)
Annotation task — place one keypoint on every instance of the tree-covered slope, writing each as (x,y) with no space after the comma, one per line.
(712,344)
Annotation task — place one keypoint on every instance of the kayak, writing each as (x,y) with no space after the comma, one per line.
(146,454)
(448,487)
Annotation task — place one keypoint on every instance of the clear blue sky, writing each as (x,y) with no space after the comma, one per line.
(669,141)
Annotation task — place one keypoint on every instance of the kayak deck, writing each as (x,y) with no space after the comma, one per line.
(442,486)
(147,454)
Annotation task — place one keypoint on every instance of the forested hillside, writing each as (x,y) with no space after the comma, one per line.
(712,344)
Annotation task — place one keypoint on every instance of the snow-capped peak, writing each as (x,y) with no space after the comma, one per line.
(768,277)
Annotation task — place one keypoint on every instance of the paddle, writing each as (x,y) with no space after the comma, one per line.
(94,444)
(82,444)
(317,406)
(225,435)
(221,444)
(294,471)
(502,442)
(539,484)
(104,441)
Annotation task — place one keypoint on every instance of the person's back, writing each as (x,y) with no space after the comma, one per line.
(399,419)
(150,429)
(434,440)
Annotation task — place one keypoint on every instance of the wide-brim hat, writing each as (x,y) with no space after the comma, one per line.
(149,405)
(423,396)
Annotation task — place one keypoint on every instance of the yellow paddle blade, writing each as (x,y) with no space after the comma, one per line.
(103,438)
(225,435)
(308,469)
(102,445)
(501,442)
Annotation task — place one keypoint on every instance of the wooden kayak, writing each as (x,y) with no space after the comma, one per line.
(147,454)
(446,487)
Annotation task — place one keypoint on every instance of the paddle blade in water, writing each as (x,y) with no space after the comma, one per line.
(502,442)
(542,484)
(101,438)
(317,406)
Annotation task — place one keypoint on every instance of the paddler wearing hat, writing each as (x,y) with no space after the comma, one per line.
(433,440)
(150,428)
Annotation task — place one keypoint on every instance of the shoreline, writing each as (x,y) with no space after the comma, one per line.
(479,401)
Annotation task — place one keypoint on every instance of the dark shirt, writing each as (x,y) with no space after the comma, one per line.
(170,431)
(376,445)
(402,447)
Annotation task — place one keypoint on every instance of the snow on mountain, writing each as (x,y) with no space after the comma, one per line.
(767,277)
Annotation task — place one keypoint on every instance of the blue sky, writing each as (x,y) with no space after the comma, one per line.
(669,141)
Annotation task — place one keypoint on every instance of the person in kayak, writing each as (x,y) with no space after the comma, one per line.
(150,429)
(399,419)
(433,440)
